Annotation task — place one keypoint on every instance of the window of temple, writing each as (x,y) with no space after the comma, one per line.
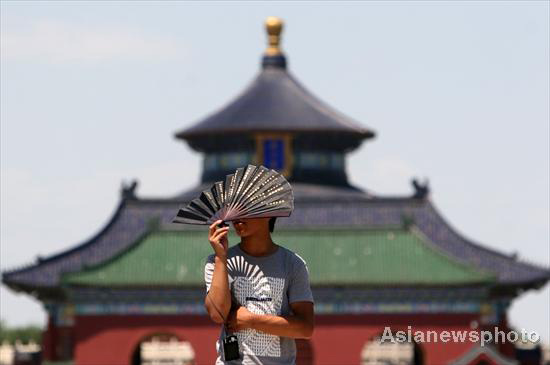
(165,349)
(274,153)
(273,150)
(319,160)
(376,352)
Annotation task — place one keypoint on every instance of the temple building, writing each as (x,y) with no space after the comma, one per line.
(136,289)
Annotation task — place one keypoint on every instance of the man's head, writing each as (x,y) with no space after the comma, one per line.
(248,226)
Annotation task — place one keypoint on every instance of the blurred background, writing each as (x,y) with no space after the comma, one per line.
(92,93)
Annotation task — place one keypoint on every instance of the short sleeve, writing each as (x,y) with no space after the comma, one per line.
(208,271)
(299,288)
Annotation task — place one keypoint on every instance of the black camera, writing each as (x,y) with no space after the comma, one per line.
(231,348)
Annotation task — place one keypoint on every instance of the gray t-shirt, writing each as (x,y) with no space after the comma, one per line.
(264,285)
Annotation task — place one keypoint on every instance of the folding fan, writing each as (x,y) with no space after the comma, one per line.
(250,192)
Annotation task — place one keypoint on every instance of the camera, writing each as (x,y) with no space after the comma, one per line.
(231,348)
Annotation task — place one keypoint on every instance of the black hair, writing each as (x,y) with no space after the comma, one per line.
(272,223)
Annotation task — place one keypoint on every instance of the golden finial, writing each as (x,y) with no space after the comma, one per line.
(274,26)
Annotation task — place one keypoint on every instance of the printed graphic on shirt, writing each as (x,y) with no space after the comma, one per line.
(260,294)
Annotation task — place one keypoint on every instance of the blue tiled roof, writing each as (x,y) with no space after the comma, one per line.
(315,206)
(276,101)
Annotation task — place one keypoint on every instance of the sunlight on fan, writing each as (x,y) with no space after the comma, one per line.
(250,192)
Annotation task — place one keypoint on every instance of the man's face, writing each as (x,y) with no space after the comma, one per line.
(248,226)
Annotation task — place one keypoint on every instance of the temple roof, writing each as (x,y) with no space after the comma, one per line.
(276,102)
(344,208)
(384,257)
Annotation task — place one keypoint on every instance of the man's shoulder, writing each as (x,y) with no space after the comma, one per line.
(293,256)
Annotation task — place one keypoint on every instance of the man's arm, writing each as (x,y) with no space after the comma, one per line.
(300,298)
(218,297)
(298,325)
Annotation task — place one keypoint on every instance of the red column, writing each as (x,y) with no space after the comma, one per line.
(49,340)
(507,349)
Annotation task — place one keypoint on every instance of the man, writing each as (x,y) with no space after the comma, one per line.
(260,290)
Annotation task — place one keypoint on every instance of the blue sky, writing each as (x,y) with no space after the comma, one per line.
(92,92)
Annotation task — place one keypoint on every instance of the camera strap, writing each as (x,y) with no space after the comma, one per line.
(219,312)
(230,343)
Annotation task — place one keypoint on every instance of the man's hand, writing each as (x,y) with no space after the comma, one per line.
(240,318)
(298,325)
(218,239)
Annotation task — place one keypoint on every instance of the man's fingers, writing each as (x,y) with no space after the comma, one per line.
(213,226)
(221,229)
(216,241)
(218,235)
(215,233)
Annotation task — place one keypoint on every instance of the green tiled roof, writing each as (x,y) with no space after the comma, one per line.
(371,257)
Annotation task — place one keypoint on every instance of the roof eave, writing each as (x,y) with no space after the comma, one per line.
(193,132)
